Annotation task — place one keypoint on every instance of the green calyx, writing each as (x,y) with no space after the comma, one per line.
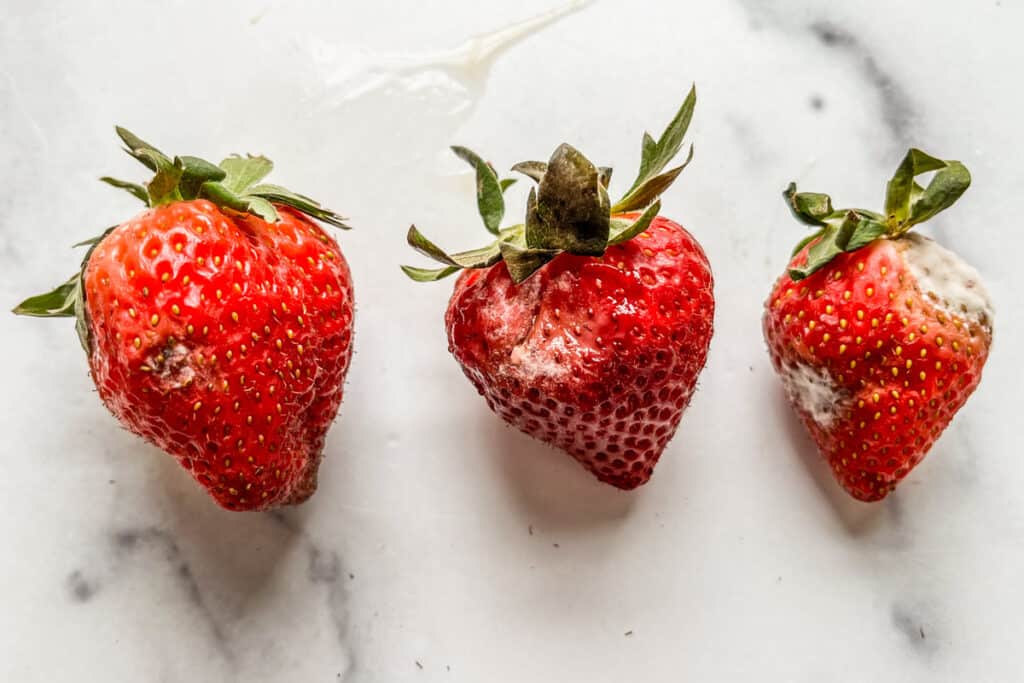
(233,184)
(569,210)
(907,203)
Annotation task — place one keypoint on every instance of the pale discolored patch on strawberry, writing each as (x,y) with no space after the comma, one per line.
(946,280)
(813,392)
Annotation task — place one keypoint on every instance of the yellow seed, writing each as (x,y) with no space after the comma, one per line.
(825,337)
(137,342)
(179,246)
(216,260)
(938,365)
(875,397)
(860,315)
(842,348)
(924,353)
(870,291)
(938,341)
(829,308)
(234,316)
(238,287)
(131,312)
(197,405)
(174,309)
(860,265)
(185,280)
(847,294)
(154,320)
(843,323)
(219,294)
(922,375)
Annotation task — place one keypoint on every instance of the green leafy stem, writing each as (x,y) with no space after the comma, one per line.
(568,211)
(233,184)
(907,203)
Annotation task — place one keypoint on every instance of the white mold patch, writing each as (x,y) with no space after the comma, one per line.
(813,392)
(533,360)
(174,367)
(946,280)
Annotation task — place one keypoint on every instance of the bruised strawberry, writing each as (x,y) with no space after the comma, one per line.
(879,335)
(588,326)
(218,325)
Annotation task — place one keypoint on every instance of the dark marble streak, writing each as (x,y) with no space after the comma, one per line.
(161,544)
(79,588)
(325,568)
(910,622)
(897,109)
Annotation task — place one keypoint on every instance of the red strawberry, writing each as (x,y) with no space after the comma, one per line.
(880,335)
(218,325)
(588,326)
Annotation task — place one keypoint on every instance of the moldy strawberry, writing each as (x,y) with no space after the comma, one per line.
(217,324)
(879,334)
(588,325)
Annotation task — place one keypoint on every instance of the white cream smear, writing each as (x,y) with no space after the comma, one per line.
(813,392)
(951,284)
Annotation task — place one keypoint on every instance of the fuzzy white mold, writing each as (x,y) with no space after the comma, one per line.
(175,367)
(956,286)
(535,360)
(813,392)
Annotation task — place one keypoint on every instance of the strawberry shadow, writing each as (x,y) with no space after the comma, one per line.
(857,518)
(550,489)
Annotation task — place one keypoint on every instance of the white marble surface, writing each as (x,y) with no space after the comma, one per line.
(740,561)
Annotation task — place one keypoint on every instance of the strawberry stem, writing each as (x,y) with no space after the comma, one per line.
(906,204)
(569,210)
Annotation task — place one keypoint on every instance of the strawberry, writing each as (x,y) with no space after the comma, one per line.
(217,324)
(879,334)
(587,326)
